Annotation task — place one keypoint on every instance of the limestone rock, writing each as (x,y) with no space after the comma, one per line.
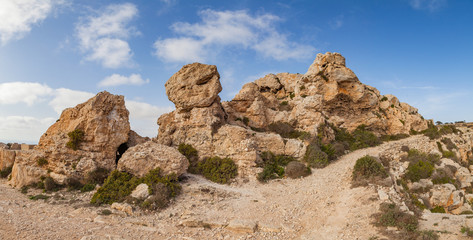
(142,158)
(7,158)
(441,194)
(135,139)
(463,175)
(141,191)
(195,85)
(242,226)
(123,207)
(104,122)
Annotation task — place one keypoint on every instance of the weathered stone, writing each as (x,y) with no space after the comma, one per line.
(441,195)
(104,121)
(463,175)
(142,158)
(135,139)
(141,191)
(242,226)
(422,184)
(195,85)
(123,207)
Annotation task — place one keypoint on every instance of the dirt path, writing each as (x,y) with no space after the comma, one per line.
(321,206)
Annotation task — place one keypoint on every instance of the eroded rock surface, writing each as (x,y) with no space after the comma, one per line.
(104,121)
(328,93)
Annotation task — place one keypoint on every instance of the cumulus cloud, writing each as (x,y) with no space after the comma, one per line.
(23,128)
(65,98)
(103,37)
(26,92)
(431,5)
(19,16)
(229,28)
(117,80)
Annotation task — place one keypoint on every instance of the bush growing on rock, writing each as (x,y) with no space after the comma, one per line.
(297,169)
(315,157)
(286,130)
(418,170)
(192,155)
(97,176)
(364,138)
(390,215)
(273,166)
(42,162)
(75,137)
(367,167)
(219,170)
(119,185)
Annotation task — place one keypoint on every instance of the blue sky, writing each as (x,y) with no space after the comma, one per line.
(57,53)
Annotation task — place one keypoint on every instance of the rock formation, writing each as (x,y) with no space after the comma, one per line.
(142,158)
(328,93)
(103,120)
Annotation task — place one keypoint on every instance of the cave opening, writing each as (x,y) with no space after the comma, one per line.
(120,151)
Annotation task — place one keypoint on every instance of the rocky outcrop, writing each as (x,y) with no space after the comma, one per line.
(7,158)
(103,121)
(328,93)
(142,158)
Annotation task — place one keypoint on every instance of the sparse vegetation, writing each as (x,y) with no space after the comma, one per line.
(97,176)
(286,130)
(467,231)
(192,156)
(42,162)
(368,168)
(435,132)
(39,196)
(119,185)
(88,187)
(75,138)
(391,216)
(273,166)
(384,98)
(246,121)
(315,157)
(443,176)
(219,170)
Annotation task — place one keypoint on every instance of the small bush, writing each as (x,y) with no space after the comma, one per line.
(391,216)
(297,169)
(284,103)
(384,99)
(160,198)
(467,231)
(449,154)
(273,166)
(119,185)
(419,170)
(105,212)
(387,138)
(428,235)
(5,172)
(368,167)
(42,162)
(443,176)
(364,138)
(218,170)
(315,157)
(75,138)
(49,184)
(73,183)
(39,196)
(286,130)
(438,209)
(246,121)
(88,187)
(449,143)
(192,156)
(97,176)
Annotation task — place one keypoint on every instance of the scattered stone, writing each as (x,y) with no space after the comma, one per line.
(123,207)
(242,226)
(141,191)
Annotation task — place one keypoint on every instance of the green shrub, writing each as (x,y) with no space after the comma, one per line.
(286,130)
(192,156)
(160,198)
(246,121)
(273,166)
(97,176)
(387,138)
(443,176)
(297,169)
(42,162)
(315,157)
(368,167)
(119,185)
(75,138)
(105,212)
(39,196)
(438,209)
(284,103)
(428,235)
(415,155)
(364,138)
(384,99)
(419,170)
(391,216)
(218,170)
(467,231)
(5,172)
(88,187)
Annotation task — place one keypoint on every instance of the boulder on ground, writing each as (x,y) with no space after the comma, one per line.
(142,158)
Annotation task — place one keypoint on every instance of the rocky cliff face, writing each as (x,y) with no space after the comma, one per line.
(103,120)
(328,93)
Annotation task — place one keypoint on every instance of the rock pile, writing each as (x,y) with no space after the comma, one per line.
(328,93)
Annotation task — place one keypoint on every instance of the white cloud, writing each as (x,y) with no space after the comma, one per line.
(117,80)
(65,98)
(103,37)
(18,16)
(229,28)
(26,92)
(143,117)
(431,5)
(23,128)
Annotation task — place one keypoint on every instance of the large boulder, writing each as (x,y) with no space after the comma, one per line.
(195,85)
(103,122)
(142,158)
